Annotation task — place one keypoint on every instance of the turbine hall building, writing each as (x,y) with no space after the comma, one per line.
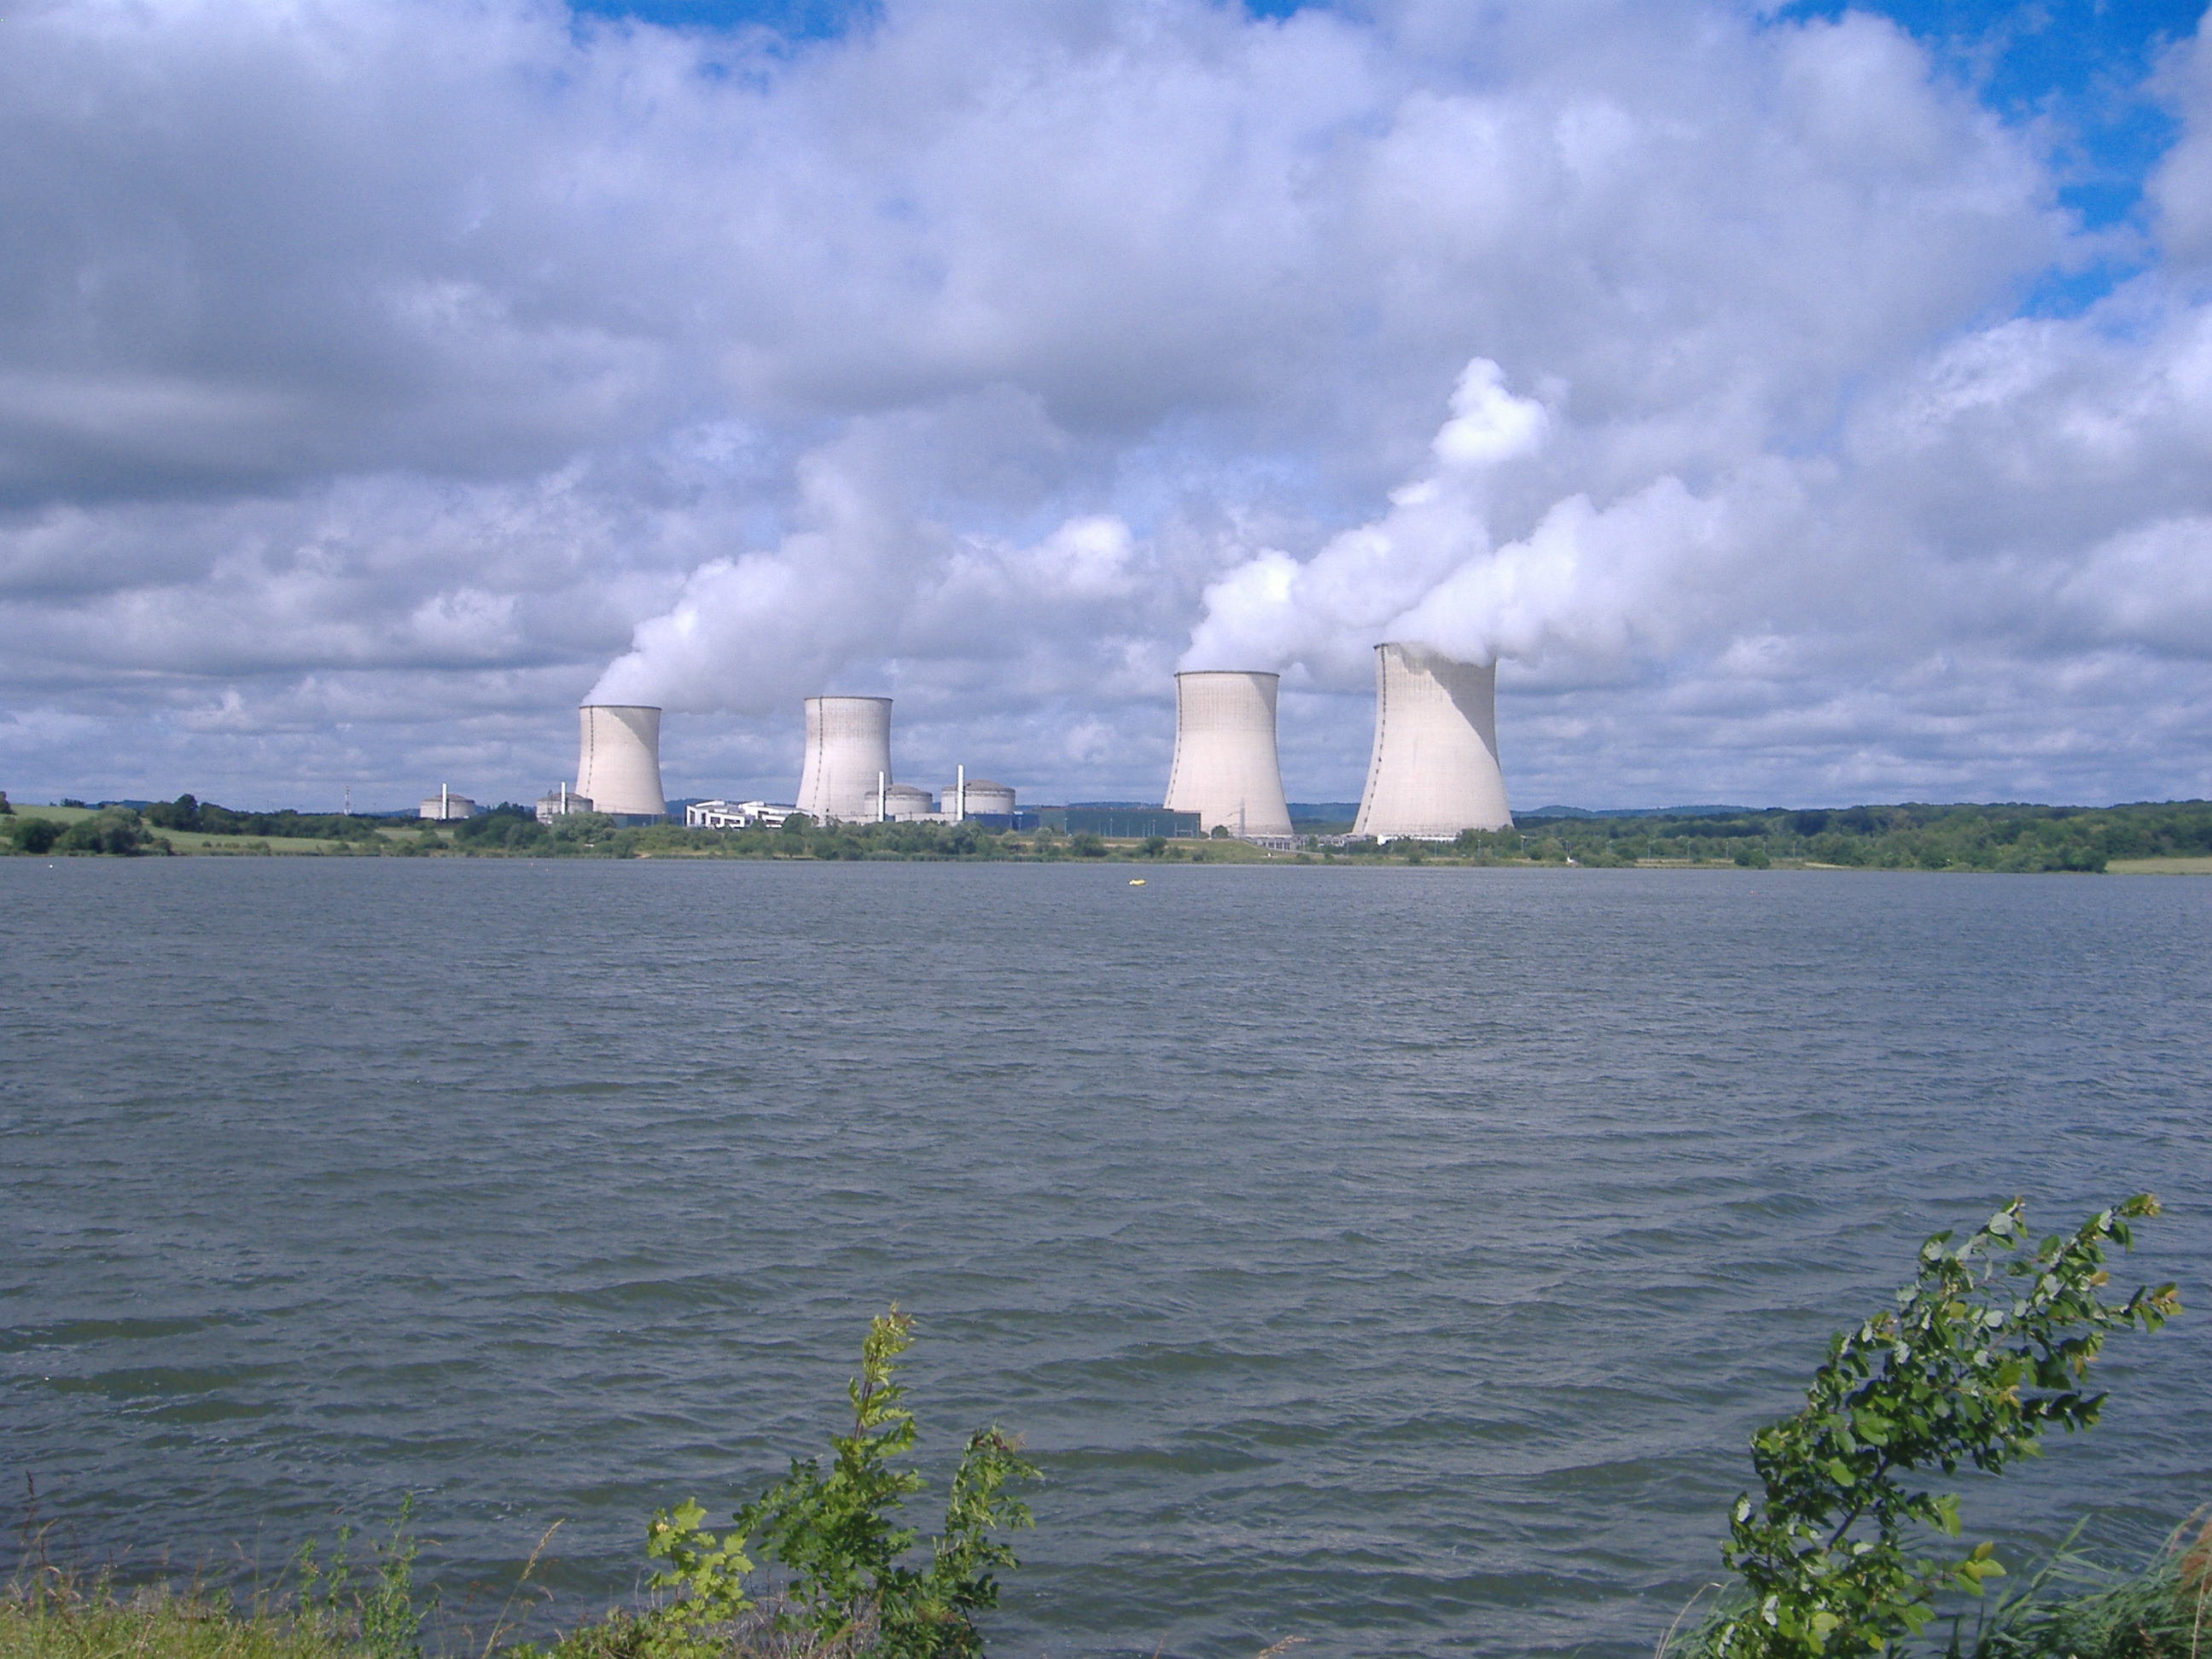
(618,764)
(1225,768)
(1434,771)
(848,758)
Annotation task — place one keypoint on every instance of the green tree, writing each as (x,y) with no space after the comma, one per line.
(34,835)
(1988,1347)
(115,830)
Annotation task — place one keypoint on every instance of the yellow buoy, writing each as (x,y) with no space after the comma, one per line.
(1138,881)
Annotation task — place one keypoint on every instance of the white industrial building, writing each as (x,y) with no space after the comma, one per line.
(446,806)
(980,797)
(1435,769)
(618,766)
(848,758)
(559,801)
(903,803)
(737,815)
(1225,768)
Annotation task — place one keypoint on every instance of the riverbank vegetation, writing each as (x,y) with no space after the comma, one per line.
(1911,836)
(2175,835)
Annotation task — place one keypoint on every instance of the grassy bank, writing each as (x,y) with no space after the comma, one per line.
(50,1618)
(2075,1606)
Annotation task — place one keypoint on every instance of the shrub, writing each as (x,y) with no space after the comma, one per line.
(1989,1347)
(34,835)
(836,1531)
(116,831)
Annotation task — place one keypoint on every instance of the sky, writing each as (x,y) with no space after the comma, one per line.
(1806,405)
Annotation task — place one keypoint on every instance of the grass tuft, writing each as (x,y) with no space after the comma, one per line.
(52,1616)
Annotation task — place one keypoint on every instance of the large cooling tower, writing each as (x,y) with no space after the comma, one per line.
(1224,768)
(1435,769)
(848,745)
(619,767)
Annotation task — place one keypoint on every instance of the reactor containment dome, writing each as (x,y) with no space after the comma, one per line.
(1435,769)
(848,755)
(1225,770)
(618,768)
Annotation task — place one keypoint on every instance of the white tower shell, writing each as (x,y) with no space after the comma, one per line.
(1225,769)
(1435,769)
(848,750)
(619,765)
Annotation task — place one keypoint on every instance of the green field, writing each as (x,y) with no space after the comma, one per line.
(193,844)
(2159,867)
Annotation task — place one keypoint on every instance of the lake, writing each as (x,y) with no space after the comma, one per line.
(1395,1259)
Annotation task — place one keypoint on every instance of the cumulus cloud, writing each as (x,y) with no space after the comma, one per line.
(377,379)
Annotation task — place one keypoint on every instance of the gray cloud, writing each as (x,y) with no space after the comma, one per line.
(377,379)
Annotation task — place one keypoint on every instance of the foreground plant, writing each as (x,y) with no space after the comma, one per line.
(853,1584)
(2163,1611)
(1990,1346)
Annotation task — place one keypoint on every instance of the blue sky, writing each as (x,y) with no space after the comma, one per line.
(1809,405)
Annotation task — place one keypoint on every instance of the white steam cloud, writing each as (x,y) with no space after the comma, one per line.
(1593,582)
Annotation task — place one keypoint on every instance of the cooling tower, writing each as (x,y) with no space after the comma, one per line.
(1435,769)
(619,766)
(848,745)
(1224,768)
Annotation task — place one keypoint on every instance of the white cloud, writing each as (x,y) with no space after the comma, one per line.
(377,379)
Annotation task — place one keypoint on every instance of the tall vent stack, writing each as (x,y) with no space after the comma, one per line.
(618,768)
(1435,769)
(1225,770)
(848,750)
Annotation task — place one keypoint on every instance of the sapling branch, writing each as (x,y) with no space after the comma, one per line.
(1965,1369)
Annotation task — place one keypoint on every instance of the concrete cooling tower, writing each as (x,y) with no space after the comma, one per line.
(848,746)
(1434,767)
(1225,769)
(619,767)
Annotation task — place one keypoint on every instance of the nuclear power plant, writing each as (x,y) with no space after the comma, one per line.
(1224,768)
(618,766)
(1434,771)
(848,758)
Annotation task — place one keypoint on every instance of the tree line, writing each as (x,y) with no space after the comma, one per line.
(1910,836)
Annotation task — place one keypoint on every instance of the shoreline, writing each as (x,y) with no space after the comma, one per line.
(2168,838)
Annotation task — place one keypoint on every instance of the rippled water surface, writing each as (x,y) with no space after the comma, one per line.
(1392,1259)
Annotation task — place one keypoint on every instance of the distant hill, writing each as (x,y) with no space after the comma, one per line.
(1634,812)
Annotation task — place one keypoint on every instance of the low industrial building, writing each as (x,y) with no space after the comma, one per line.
(737,815)
(904,803)
(559,801)
(445,806)
(1116,820)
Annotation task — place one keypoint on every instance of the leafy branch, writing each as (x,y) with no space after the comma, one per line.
(1990,1346)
